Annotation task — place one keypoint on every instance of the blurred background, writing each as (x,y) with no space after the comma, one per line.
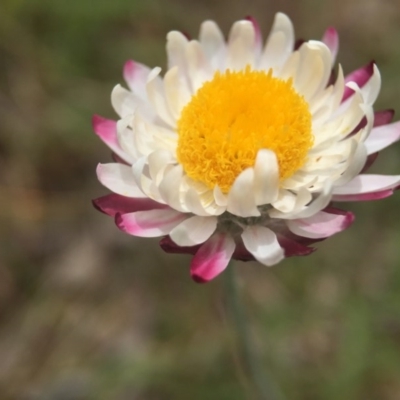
(87,312)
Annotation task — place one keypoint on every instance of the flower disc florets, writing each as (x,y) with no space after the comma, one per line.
(240,148)
(233,116)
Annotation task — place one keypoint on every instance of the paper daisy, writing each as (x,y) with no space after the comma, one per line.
(240,148)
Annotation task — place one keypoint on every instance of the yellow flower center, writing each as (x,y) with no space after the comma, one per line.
(232,117)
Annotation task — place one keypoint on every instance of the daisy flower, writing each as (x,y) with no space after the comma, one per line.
(240,148)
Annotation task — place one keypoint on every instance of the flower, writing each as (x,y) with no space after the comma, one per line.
(239,150)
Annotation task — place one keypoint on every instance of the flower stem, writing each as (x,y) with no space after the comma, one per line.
(265,388)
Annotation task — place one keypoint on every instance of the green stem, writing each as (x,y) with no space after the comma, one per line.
(266,390)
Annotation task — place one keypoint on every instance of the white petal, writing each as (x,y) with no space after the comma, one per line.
(262,243)
(156,94)
(143,141)
(193,231)
(372,88)
(280,43)
(290,67)
(123,101)
(319,203)
(285,202)
(148,137)
(356,164)
(220,198)
(192,202)
(143,181)
(241,45)
(126,138)
(213,42)
(158,161)
(266,177)
(119,179)
(199,69)
(314,69)
(344,121)
(170,186)
(241,200)
(177,91)
(176,44)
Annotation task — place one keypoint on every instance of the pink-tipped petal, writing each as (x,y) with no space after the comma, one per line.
(106,130)
(320,225)
(363,184)
(364,196)
(331,39)
(151,223)
(382,137)
(113,204)
(383,117)
(135,75)
(257,30)
(360,76)
(212,258)
(262,243)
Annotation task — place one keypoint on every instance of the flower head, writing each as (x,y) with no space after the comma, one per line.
(239,150)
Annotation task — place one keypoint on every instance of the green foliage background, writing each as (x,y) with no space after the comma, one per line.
(87,312)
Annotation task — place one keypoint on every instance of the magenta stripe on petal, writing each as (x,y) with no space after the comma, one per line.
(360,76)
(241,253)
(118,159)
(257,30)
(212,258)
(383,117)
(169,246)
(113,204)
(293,247)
